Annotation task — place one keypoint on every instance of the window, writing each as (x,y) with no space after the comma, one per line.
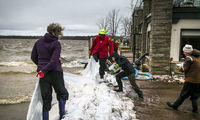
(186,3)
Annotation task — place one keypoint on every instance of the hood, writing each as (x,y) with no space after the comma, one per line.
(115,55)
(50,38)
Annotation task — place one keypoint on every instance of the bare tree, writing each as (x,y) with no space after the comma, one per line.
(126,26)
(113,22)
(103,23)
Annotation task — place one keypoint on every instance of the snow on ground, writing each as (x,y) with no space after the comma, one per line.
(91,100)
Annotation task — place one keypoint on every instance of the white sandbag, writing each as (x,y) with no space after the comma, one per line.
(35,107)
(92,69)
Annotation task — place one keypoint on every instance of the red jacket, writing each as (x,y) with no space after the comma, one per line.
(102,45)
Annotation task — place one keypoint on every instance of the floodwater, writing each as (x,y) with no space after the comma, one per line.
(18,72)
(14,111)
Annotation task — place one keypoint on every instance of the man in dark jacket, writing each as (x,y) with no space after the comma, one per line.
(191,87)
(128,71)
(46,54)
(101,46)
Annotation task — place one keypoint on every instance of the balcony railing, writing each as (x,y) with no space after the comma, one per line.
(187,3)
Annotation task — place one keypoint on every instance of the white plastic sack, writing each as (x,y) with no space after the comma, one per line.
(92,69)
(35,107)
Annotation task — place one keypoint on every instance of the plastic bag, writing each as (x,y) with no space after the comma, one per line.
(92,69)
(35,107)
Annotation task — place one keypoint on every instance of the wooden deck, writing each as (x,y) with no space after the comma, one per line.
(127,52)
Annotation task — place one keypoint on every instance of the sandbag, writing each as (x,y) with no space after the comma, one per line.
(35,107)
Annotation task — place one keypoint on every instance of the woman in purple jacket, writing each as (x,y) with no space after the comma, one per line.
(46,54)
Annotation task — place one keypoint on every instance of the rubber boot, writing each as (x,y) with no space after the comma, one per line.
(176,104)
(140,94)
(101,76)
(62,108)
(119,82)
(194,106)
(170,105)
(120,88)
(45,115)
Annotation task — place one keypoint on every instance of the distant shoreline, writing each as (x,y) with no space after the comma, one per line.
(37,37)
(63,38)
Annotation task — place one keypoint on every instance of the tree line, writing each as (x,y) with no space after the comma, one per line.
(115,24)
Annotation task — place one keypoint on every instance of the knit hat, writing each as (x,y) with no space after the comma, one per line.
(187,48)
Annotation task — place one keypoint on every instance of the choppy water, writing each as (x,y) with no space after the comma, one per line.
(17,71)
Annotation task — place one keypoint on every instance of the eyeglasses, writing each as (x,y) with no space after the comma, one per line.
(101,35)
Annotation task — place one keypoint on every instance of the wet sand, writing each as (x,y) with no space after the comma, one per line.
(153,106)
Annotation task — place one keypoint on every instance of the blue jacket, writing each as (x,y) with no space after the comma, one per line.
(46,54)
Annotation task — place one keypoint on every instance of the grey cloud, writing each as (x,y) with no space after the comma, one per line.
(34,14)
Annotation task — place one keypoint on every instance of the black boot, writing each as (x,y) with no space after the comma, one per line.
(170,105)
(140,95)
(194,106)
(119,90)
(177,103)
(120,87)
(101,76)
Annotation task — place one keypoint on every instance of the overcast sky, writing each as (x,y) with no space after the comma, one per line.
(31,17)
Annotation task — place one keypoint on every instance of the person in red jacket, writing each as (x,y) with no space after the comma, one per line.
(102,47)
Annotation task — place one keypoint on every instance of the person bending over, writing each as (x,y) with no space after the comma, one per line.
(128,71)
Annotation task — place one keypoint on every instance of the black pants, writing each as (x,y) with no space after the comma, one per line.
(102,64)
(52,79)
(191,90)
(131,78)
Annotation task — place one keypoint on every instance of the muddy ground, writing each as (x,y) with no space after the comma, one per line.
(153,106)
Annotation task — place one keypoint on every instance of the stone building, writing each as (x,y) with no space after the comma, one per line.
(161,28)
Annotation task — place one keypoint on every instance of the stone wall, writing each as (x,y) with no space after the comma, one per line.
(146,12)
(137,26)
(160,38)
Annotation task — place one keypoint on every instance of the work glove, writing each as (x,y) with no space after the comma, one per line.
(112,72)
(41,74)
(116,66)
(90,53)
(178,68)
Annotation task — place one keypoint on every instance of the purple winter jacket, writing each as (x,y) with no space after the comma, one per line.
(46,54)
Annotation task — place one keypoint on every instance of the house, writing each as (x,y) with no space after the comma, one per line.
(161,28)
